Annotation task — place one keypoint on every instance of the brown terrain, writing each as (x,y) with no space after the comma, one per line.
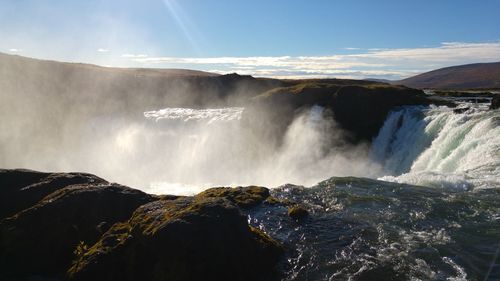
(462,77)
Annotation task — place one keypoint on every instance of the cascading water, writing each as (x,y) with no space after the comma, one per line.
(200,148)
(363,229)
(438,146)
(404,226)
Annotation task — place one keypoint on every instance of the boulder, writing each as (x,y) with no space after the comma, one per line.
(297,212)
(192,238)
(21,189)
(40,240)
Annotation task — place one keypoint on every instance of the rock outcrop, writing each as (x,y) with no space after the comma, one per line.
(244,197)
(21,189)
(495,102)
(41,240)
(81,227)
(297,212)
(200,238)
(360,108)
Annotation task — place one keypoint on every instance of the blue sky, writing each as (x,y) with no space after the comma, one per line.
(349,38)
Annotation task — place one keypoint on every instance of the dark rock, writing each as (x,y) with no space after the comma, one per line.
(460,110)
(464,94)
(359,108)
(271,200)
(21,189)
(191,238)
(495,102)
(297,212)
(363,110)
(41,240)
(244,197)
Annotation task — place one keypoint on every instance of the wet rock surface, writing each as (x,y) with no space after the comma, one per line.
(495,102)
(298,212)
(89,229)
(244,197)
(201,238)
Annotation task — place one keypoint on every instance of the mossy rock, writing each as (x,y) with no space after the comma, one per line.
(298,212)
(191,238)
(271,200)
(360,108)
(245,197)
(40,241)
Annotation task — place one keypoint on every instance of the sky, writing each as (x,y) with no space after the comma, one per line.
(389,39)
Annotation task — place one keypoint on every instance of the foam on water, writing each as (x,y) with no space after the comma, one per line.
(190,114)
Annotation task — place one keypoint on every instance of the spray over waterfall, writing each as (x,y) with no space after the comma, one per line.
(197,148)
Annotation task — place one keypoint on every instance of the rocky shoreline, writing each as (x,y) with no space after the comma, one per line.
(75,226)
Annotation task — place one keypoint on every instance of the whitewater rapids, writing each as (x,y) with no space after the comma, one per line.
(427,146)
(430,211)
(438,147)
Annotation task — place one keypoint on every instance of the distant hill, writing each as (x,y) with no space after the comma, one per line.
(18,60)
(379,80)
(462,77)
(120,89)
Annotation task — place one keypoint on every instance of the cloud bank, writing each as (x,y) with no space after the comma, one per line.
(364,63)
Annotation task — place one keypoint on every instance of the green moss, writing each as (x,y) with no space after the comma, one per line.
(297,212)
(300,86)
(265,239)
(244,197)
(275,201)
(158,240)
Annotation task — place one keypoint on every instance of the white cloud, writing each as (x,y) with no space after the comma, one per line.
(374,63)
(101,50)
(448,51)
(134,56)
(14,50)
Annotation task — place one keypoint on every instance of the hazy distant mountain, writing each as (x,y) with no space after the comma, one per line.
(18,60)
(379,80)
(469,76)
(122,89)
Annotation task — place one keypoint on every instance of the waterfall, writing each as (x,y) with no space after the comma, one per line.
(439,147)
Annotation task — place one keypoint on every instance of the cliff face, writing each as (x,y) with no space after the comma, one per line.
(359,108)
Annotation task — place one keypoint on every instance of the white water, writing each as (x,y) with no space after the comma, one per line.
(187,114)
(200,148)
(437,147)
(194,149)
